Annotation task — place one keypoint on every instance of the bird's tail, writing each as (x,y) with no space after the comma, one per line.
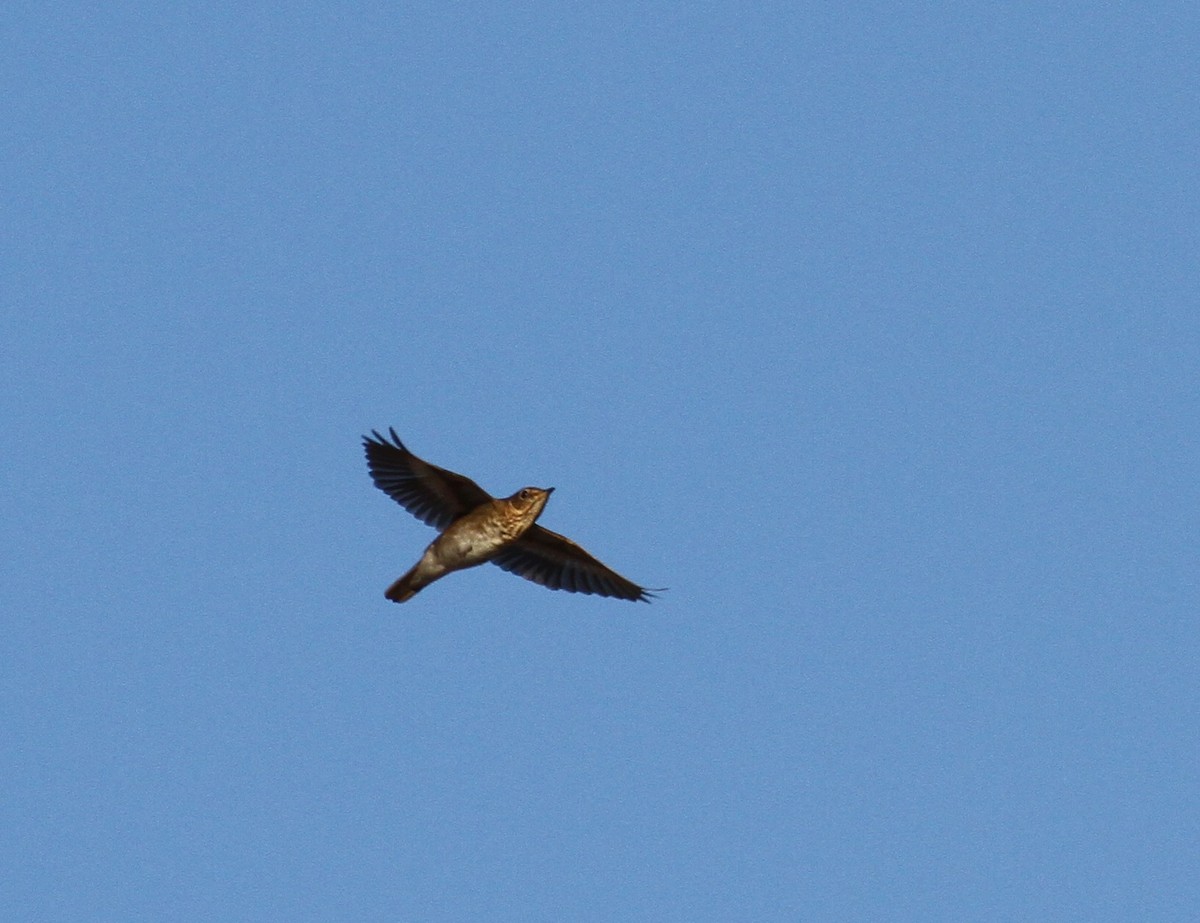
(405,588)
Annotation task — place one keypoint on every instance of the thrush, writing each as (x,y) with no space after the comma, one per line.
(477,527)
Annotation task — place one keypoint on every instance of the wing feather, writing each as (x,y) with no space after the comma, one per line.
(556,562)
(434,495)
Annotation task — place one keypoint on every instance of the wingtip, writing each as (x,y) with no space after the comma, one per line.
(378,439)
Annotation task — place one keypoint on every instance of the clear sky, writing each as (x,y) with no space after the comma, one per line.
(870,330)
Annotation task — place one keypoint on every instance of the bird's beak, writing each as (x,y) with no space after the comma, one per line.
(549,491)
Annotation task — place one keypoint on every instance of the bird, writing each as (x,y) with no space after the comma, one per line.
(476,528)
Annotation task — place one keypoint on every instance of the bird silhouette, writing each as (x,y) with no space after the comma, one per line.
(476,528)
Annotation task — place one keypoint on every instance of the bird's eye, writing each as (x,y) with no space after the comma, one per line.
(526,494)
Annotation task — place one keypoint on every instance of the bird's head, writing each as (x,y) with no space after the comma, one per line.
(530,501)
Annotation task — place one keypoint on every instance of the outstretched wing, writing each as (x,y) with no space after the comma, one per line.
(556,562)
(434,495)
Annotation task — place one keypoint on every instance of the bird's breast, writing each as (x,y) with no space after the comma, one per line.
(477,537)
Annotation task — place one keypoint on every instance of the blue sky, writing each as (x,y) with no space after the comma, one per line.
(869,330)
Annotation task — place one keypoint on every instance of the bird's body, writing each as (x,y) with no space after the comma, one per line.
(477,528)
(472,539)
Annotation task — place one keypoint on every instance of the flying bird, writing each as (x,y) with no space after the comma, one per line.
(476,528)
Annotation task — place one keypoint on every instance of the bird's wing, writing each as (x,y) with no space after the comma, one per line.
(434,495)
(556,562)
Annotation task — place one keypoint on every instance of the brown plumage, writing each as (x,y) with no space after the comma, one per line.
(476,528)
